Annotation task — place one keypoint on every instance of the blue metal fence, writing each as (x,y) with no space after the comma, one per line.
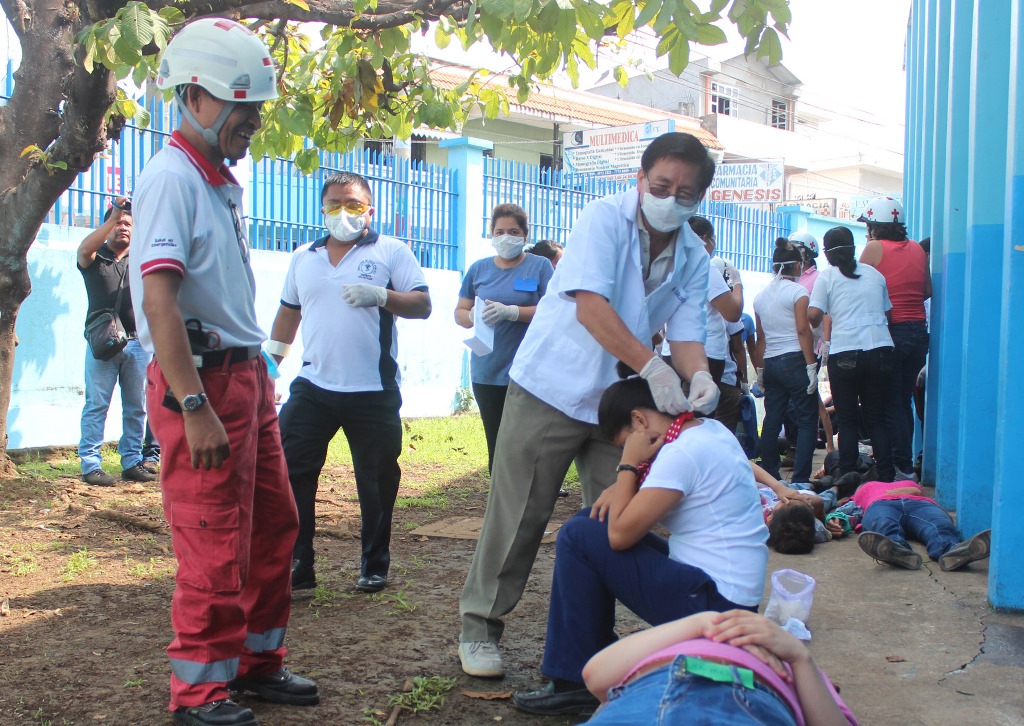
(553,199)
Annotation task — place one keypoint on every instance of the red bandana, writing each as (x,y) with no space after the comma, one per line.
(671,435)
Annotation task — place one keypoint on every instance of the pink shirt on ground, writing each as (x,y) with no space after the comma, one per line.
(874,491)
(702,647)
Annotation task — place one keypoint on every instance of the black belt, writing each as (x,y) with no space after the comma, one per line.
(233,355)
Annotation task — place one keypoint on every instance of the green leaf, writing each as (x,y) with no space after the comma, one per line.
(90,53)
(493,104)
(717,6)
(621,77)
(308,160)
(627,23)
(136,24)
(572,69)
(142,117)
(171,15)
(651,8)
(665,44)
(588,17)
(501,9)
(739,9)
(679,55)
(771,47)
(441,36)
(565,28)
(522,9)
(710,35)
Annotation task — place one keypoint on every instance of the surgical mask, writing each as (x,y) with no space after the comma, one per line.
(508,246)
(344,226)
(666,215)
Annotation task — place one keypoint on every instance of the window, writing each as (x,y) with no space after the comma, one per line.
(547,161)
(780,115)
(724,99)
(379,149)
(419,149)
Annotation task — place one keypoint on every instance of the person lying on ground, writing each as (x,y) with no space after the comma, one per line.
(723,668)
(691,477)
(795,518)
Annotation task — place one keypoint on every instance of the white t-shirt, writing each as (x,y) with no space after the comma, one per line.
(857,308)
(774,305)
(188,220)
(603,256)
(717,346)
(718,525)
(347,349)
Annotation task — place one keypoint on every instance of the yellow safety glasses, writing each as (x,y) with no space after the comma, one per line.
(356,209)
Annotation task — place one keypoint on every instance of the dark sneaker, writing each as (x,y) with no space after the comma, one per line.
(98,478)
(138,473)
(303,577)
(281,686)
(371,583)
(886,550)
(847,484)
(549,702)
(224,712)
(970,550)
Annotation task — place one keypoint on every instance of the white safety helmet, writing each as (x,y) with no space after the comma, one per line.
(882,210)
(223,57)
(806,241)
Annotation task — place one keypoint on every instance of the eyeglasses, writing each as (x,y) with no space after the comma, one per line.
(356,209)
(683,198)
(243,242)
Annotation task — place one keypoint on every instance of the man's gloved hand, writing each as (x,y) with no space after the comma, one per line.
(812,377)
(732,275)
(665,387)
(495,311)
(362,295)
(703,393)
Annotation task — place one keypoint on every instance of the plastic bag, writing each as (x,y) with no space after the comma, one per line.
(792,596)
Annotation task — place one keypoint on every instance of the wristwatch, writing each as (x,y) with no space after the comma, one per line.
(627,467)
(193,401)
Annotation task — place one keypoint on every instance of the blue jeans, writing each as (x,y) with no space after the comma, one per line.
(590,576)
(785,380)
(903,519)
(910,348)
(129,369)
(669,696)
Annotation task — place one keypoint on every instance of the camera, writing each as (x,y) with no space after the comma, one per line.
(125,206)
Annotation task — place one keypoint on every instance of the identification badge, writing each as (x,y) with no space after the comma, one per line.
(526,284)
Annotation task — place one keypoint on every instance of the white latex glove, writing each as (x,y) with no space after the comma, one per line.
(495,311)
(812,377)
(362,295)
(665,387)
(732,275)
(703,393)
(744,387)
(760,377)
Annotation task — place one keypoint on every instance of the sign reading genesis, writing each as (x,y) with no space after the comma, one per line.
(748,182)
(612,153)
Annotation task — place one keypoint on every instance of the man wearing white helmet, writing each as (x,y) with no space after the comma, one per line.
(225,484)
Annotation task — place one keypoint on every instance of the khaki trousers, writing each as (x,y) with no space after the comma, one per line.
(536,445)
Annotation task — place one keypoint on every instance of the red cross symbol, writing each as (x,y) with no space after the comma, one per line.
(895,215)
(869,214)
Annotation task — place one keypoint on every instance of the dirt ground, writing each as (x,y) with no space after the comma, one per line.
(87,573)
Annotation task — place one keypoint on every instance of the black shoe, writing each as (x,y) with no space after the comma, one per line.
(886,550)
(562,493)
(138,473)
(303,577)
(371,583)
(847,484)
(216,713)
(549,702)
(970,550)
(823,484)
(98,478)
(281,686)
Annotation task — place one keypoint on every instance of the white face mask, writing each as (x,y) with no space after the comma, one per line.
(508,246)
(343,226)
(666,215)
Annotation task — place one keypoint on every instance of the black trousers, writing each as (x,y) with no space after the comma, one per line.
(370,420)
(490,400)
(862,376)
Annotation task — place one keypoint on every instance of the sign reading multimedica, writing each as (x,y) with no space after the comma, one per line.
(748,182)
(613,152)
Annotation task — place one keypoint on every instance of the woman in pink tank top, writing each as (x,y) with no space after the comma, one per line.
(904,266)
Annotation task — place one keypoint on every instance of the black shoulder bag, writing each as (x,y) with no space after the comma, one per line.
(105,332)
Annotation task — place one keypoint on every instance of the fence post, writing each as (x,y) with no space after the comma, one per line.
(466,156)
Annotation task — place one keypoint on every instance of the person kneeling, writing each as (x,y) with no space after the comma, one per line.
(691,477)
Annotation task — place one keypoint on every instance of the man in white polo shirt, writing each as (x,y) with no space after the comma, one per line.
(211,402)
(631,265)
(347,289)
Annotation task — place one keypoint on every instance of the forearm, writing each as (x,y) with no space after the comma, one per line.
(816,701)
(464,316)
(739,355)
(758,353)
(600,319)
(688,357)
(286,325)
(414,304)
(173,351)
(93,241)
(806,339)
(526,313)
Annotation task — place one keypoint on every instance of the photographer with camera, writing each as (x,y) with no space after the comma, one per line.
(113,354)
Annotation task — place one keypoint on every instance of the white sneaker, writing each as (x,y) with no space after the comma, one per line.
(481,658)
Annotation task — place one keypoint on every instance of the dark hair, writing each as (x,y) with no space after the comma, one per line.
(702,226)
(346,179)
(843,257)
(791,531)
(926,245)
(785,255)
(615,411)
(685,147)
(892,231)
(511,210)
(546,248)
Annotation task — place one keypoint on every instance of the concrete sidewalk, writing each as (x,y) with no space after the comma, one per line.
(912,647)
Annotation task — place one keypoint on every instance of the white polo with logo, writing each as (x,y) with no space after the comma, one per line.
(348,349)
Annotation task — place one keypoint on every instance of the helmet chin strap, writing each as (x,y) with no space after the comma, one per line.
(211,135)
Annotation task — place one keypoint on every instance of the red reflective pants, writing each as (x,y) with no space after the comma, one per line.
(233,530)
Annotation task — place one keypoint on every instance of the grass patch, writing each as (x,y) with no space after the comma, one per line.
(153,570)
(78,564)
(64,463)
(399,601)
(427,694)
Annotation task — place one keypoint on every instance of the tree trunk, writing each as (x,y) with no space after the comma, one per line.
(14,288)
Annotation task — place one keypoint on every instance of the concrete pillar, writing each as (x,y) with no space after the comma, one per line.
(920,214)
(466,156)
(911,150)
(934,227)
(986,190)
(945,366)
(1006,570)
